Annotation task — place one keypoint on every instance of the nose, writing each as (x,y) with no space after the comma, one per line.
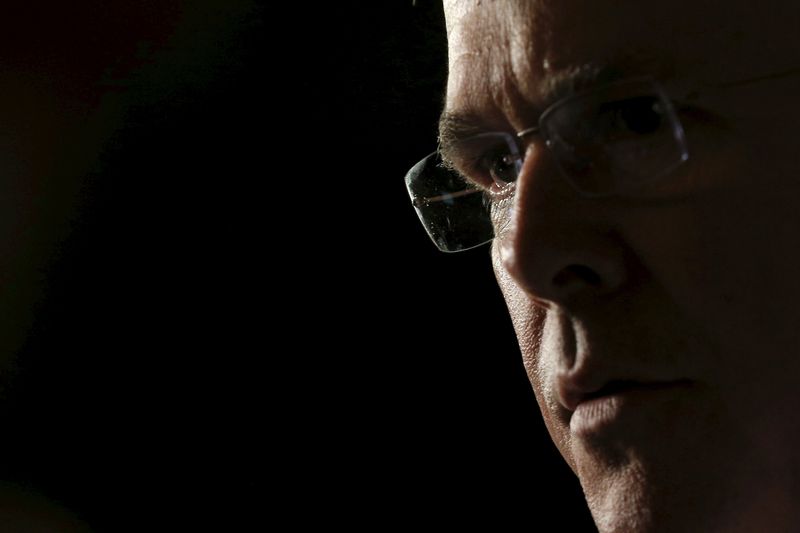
(559,245)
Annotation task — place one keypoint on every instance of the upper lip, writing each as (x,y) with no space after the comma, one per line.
(572,392)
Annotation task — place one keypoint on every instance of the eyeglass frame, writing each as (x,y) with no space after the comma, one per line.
(419,202)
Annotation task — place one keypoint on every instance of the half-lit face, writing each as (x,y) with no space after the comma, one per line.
(659,328)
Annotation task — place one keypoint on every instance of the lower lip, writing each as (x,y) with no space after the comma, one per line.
(595,416)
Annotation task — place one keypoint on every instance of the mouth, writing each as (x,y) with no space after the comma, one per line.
(573,397)
(620,387)
(616,400)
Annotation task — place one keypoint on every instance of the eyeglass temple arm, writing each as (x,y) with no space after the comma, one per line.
(697,92)
(422,202)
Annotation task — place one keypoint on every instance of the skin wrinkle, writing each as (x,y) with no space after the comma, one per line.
(530,334)
(700,273)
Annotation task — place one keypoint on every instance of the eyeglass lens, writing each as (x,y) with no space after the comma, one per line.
(611,140)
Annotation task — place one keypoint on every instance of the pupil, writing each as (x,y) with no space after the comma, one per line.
(504,170)
(642,115)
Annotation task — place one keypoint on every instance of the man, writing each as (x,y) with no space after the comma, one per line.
(634,165)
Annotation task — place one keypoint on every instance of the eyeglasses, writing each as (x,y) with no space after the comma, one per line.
(612,139)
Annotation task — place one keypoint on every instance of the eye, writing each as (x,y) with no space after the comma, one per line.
(641,115)
(490,161)
(503,168)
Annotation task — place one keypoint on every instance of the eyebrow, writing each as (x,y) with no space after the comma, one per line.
(455,126)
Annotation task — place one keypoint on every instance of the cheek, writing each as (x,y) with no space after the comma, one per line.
(534,333)
(726,263)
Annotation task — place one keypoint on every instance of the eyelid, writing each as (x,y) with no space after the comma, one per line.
(465,162)
(449,163)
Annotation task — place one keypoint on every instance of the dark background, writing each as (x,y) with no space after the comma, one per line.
(249,323)
(139,399)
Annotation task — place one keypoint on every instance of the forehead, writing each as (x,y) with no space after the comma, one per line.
(505,55)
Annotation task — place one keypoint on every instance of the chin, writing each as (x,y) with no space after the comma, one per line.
(679,482)
(622,499)
(634,498)
(657,466)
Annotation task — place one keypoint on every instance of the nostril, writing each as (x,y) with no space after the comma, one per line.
(579,274)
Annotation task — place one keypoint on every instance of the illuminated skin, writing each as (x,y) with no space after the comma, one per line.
(689,290)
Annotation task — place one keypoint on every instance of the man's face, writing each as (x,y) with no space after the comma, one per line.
(659,330)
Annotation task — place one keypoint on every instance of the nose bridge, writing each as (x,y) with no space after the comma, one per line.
(557,243)
(538,202)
